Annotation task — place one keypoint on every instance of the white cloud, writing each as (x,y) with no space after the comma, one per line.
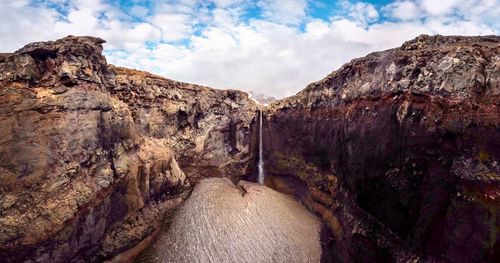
(22,24)
(276,55)
(441,7)
(284,11)
(228,3)
(173,26)
(363,12)
(403,10)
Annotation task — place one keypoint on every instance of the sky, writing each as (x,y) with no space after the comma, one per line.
(271,47)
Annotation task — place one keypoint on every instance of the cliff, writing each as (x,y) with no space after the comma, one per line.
(90,154)
(399,151)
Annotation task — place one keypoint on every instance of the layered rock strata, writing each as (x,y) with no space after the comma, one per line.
(399,151)
(90,154)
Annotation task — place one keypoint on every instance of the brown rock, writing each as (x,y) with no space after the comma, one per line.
(406,144)
(397,151)
(208,129)
(87,150)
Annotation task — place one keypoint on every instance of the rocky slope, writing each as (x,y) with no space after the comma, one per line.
(90,154)
(399,152)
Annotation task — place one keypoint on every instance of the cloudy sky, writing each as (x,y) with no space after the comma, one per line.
(274,47)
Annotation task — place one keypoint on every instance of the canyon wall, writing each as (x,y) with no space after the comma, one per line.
(91,154)
(399,151)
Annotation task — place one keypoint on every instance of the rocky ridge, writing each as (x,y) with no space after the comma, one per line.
(91,154)
(399,151)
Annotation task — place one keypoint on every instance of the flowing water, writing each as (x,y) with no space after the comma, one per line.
(247,222)
(261,161)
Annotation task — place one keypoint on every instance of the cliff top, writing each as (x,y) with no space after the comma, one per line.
(74,60)
(69,43)
(455,66)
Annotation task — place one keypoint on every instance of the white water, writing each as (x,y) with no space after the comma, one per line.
(261,162)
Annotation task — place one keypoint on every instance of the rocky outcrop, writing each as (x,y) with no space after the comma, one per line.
(208,129)
(91,154)
(399,151)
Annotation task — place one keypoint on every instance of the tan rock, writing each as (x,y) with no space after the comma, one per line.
(87,150)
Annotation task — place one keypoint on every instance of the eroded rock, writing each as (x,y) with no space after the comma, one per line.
(400,151)
(91,154)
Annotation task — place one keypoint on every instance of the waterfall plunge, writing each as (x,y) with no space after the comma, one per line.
(261,161)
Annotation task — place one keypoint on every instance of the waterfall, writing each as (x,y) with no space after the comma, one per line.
(261,161)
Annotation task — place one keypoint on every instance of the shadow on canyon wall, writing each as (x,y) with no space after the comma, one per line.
(397,152)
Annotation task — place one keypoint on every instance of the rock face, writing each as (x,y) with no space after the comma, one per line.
(247,222)
(90,154)
(400,151)
(208,129)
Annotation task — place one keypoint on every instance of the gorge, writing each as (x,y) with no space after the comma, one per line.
(394,157)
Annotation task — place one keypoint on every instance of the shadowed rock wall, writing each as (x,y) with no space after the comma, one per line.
(400,150)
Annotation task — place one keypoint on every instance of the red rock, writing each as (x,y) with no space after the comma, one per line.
(412,136)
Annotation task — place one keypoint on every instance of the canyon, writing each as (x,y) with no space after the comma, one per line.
(394,155)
